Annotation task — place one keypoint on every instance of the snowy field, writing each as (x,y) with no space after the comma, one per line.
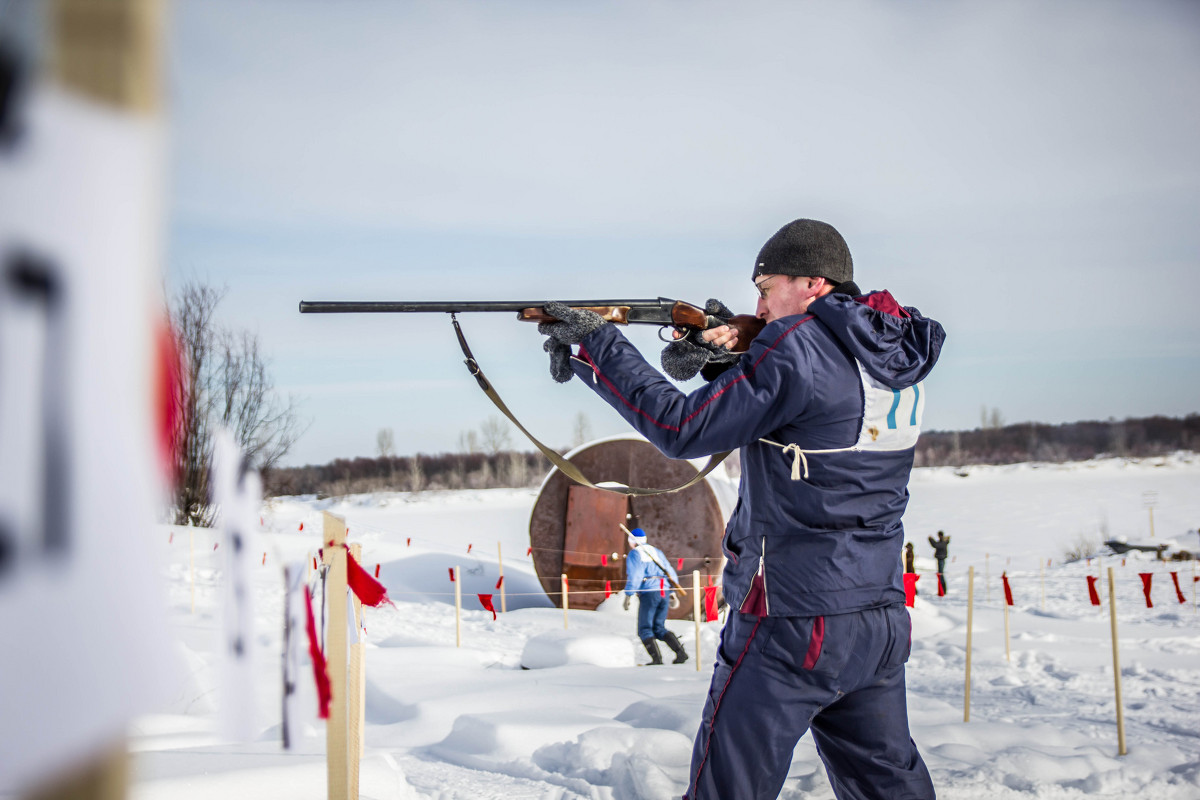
(470,723)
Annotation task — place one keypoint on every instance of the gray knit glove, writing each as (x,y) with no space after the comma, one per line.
(683,358)
(573,325)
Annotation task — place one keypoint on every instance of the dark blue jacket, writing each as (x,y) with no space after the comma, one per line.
(817,526)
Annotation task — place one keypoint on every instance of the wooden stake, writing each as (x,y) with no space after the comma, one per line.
(1151,510)
(1112,605)
(192,565)
(500,564)
(565,598)
(457,607)
(336,733)
(1195,608)
(357,689)
(970,614)
(696,611)
(987,577)
(1007,648)
(1043,586)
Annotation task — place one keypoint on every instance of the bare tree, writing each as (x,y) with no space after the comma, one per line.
(582,431)
(385,443)
(228,384)
(468,442)
(495,435)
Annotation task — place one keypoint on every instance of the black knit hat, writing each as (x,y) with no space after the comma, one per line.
(806,248)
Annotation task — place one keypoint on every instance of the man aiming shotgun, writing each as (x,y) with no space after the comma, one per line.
(825,405)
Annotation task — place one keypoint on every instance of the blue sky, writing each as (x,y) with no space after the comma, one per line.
(1027,173)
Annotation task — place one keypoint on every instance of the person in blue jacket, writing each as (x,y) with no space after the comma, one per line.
(650,576)
(825,406)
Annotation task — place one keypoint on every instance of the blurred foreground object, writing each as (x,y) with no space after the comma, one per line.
(81,187)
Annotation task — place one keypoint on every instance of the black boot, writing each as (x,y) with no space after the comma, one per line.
(673,643)
(652,649)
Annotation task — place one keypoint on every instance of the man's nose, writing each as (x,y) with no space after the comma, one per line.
(760,309)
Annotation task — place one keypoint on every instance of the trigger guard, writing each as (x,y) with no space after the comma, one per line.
(662,338)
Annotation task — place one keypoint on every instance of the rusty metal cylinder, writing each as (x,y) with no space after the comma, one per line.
(576,529)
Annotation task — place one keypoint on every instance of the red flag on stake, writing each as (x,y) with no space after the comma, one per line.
(499,582)
(451,571)
(607,589)
(376,570)
(910,588)
(1092,593)
(215,545)
(679,565)
(264,559)
(408,542)
(941,585)
(486,601)
(318,658)
(469,548)
(1146,578)
(604,559)
(662,587)
(365,588)
(301,526)
(314,563)
(1007,588)
(1178,593)
(528,551)
(710,602)
(171,538)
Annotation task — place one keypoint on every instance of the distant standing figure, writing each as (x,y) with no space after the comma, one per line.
(941,546)
(646,571)
(910,558)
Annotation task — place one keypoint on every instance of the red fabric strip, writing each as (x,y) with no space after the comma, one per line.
(318,658)
(368,590)
(679,566)
(910,588)
(499,582)
(376,570)
(451,571)
(710,602)
(1147,577)
(486,601)
(1095,598)
(603,560)
(814,643)
(1007,588)
(1178,593)
(607,589)
(941,585)
(662,587)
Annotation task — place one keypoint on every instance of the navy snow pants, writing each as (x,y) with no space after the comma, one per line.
(777,677)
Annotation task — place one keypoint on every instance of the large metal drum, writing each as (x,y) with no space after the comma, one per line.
(576,530)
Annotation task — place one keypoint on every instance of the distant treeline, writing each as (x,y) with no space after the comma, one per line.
(1069,441)
(1004,444)
(410,474)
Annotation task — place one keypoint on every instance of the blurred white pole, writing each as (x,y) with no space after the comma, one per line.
(1112,605)
(565,598)
(336,734)
(500,564)
(970,614)
(1151,510)
(457,607)
(696,611)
